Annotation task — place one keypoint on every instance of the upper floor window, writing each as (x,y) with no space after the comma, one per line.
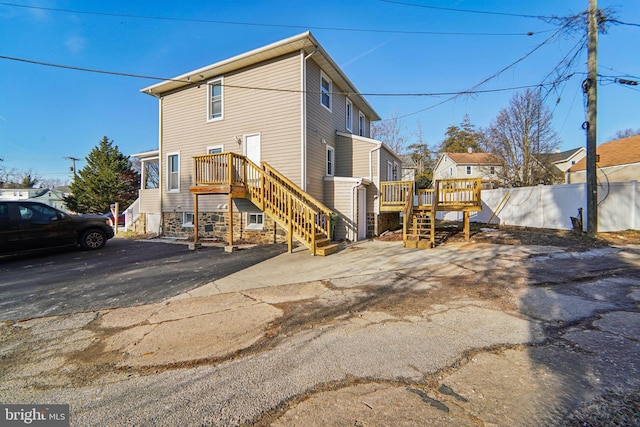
(215,99)
(492,170)
(330,161)
(361,124)
(349,115)
(468,170)
(325,91)
(173,169)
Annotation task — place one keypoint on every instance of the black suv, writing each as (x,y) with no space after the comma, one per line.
(26,225)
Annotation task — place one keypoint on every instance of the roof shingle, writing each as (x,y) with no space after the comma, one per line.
(613,153)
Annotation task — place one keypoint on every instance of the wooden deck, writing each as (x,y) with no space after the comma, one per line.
(419,208)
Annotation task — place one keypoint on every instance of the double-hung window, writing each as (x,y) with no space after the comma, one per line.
(215,93)
(325,91)
(330,161)
(349,115)
(173,172)
(468,170)
(361,124)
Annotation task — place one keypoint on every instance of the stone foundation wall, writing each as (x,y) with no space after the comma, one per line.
(215,225)
(387,221)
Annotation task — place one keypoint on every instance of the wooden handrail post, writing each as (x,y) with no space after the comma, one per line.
(230,168)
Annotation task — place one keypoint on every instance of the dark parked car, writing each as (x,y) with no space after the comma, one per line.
(26,225)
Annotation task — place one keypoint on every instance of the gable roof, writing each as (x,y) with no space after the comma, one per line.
(614,153)
(474,158)
(561,156)
(304,41)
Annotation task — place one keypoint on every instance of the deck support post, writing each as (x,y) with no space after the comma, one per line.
(465,220)
(195,219)
(230,211)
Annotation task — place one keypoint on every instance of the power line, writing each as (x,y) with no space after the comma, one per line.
(381,94)
(262,24)
(483,12)
(473,88)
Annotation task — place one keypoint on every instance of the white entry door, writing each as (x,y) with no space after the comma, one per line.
(252,148)
(362,213)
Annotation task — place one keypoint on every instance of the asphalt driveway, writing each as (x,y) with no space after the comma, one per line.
(123,273)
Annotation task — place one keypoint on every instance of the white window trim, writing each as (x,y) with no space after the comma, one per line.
(185,223)
(362,121)
(215,147)
(389,171)
(331,150)
(169,189)
(209,87)
(325,77)
(395,171)
(349,115)
(468,170)
(254,226)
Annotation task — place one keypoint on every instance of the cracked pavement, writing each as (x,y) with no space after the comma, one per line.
(463,334)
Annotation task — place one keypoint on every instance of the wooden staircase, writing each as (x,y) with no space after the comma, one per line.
(420,229)
(303,217)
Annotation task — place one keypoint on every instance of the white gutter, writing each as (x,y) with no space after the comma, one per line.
(303,124)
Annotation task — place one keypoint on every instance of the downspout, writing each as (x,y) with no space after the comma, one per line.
(160,175)
(354,210)
(303,125)
(377,183)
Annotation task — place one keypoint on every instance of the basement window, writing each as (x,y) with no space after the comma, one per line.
(255,221)
(187,219)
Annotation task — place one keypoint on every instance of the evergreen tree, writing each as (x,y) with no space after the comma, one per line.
(107,178)
(461,139)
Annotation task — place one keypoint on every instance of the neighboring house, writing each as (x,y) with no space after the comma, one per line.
(409,168)
(560,161)
(287,104)
(617,161)
(485,166)
(51,197)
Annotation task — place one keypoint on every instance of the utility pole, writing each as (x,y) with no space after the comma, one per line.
(74,160)
(591,89)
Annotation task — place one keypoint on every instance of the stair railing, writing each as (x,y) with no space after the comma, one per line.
(299,213)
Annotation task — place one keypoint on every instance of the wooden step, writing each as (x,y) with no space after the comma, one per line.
(327,249)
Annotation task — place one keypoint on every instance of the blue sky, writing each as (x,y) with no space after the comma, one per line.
(49,113)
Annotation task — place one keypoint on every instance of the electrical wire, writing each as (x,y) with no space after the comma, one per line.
(496,74)
(262,24)
(122,74)
(451,9)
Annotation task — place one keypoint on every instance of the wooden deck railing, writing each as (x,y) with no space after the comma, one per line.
(393,195)
(458,194)
(299,213)
(449,194)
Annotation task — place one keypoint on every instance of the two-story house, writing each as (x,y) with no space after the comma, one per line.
(485,166)
(286,107)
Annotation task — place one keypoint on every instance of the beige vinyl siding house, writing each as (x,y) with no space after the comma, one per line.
(283,104)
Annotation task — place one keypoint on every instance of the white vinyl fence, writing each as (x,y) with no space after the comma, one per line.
(552,206)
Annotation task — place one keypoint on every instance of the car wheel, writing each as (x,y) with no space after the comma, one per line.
(93,239)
